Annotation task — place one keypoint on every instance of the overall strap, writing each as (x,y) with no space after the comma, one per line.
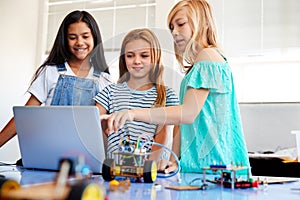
(96,73)
(61,67)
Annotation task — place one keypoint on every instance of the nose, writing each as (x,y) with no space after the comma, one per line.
(175,32)
(137,60)
(79,41)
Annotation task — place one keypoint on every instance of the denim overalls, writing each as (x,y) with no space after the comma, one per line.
(72,90)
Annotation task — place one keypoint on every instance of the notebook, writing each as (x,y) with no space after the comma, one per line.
(48,133)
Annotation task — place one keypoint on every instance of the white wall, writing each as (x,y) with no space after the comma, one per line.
(267,79)
(22,46)
(18,54)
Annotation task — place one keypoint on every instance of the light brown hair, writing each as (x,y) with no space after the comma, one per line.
(156,73)
(201,21)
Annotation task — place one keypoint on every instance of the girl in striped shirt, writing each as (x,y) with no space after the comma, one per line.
(140,85)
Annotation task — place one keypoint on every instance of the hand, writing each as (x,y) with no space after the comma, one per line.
(104,125)
(117,120)
(166,166)
(103,119)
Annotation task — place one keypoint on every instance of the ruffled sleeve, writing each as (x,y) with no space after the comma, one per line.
(214,76)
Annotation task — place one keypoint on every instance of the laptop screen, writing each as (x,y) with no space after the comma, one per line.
(48,133)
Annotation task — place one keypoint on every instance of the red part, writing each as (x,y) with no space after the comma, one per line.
(255,184)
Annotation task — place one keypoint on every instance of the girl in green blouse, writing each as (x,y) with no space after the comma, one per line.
(210,124)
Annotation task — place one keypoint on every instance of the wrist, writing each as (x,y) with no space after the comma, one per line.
(131,114)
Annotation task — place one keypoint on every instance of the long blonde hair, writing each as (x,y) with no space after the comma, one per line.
(156,73)
(201,21)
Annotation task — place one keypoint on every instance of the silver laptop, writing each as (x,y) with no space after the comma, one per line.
(48,133)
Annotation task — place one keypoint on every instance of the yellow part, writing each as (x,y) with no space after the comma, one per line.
(139,171)
(92,192)
(117,170)
(114,183)
(153,171)
(10,185)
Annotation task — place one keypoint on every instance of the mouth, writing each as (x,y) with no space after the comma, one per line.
(80,50)
(179,42)
(137,68)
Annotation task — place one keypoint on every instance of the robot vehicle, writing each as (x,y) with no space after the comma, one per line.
(130,161)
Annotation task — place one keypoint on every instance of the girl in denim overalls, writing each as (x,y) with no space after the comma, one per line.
(74,72)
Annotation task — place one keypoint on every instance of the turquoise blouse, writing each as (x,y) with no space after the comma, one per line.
(216,135)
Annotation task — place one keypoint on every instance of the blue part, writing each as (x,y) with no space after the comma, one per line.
(218,166)
(85,170)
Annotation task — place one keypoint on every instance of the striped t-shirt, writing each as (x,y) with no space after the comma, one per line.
(117,97)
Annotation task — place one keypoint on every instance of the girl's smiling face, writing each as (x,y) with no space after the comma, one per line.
(138,59)
(80,41)
(181,29)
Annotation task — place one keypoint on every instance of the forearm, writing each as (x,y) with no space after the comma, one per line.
(8,132)
(165,115)
(162,115)
(181,114)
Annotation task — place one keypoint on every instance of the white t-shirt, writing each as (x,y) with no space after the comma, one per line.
(44,85)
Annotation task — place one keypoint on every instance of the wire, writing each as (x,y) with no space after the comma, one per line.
(174,155)
(194,180)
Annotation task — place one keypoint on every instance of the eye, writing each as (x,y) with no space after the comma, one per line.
(145,55)
(128,55)
(71,37)
(181,24)
(85,36)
